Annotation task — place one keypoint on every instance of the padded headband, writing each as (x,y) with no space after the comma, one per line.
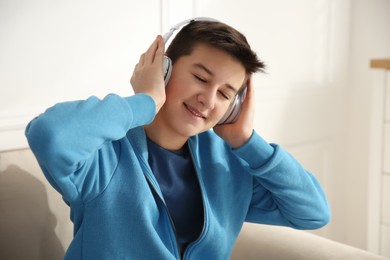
(177,26)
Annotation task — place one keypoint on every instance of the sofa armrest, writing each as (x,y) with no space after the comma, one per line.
(274,242)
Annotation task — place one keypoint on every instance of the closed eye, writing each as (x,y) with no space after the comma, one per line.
(200,78)
(224,95)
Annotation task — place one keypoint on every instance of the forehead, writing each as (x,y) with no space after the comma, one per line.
(214,61)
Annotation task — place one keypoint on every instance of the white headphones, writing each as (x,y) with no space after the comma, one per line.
(167,61)
(234,108)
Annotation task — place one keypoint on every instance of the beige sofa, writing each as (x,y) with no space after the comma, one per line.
(34,223)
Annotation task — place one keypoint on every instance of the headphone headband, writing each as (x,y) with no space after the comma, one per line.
(177,26)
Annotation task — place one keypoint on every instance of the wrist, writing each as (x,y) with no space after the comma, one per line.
(239,141)
(159,100)
(256,152)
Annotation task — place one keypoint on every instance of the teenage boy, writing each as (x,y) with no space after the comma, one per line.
(154,176)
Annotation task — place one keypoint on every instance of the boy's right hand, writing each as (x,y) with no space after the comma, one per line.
(148,75)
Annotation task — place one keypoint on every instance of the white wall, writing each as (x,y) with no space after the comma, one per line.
(312,99)
(52,51)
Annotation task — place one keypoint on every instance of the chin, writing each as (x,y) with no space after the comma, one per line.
(191,130)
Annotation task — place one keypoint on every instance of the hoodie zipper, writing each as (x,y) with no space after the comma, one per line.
(153,186)
(203,203)
(169,215)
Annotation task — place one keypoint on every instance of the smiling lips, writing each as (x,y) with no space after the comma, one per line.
(194,112)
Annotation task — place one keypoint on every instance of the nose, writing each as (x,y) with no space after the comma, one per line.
(208,98)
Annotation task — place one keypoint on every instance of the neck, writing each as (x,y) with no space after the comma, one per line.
(164,138)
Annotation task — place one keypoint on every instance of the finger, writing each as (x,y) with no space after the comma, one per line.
(136,68)
(151,52)
(142,59)
(249,103)
(159,56)
(249,91)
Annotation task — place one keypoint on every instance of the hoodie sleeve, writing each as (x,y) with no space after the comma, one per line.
(284,193)
(73,141)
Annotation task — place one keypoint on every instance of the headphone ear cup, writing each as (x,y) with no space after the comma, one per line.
(167,69)
(234,108)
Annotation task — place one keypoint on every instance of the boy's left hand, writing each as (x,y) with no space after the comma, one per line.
(239,132)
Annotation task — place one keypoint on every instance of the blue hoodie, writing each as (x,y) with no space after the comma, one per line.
(94,152)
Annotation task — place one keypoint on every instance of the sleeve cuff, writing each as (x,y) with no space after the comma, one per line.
(256,151)
(143,107)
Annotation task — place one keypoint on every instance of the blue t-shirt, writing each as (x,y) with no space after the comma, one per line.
(179,184)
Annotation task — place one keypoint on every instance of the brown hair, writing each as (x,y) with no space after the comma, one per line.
(218,35)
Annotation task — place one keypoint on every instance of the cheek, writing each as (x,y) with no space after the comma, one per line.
(180,90)
(220,110)
(172,90)
(175,85)
(225,108)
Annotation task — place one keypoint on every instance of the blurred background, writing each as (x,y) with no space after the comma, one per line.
(317,97)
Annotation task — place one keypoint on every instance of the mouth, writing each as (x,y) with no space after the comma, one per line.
(194,112)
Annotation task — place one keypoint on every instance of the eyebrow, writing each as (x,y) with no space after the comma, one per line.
(201,66)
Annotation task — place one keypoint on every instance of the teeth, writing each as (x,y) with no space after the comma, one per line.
(194,112)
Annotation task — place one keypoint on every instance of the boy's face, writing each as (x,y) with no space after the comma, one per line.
(200,89)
